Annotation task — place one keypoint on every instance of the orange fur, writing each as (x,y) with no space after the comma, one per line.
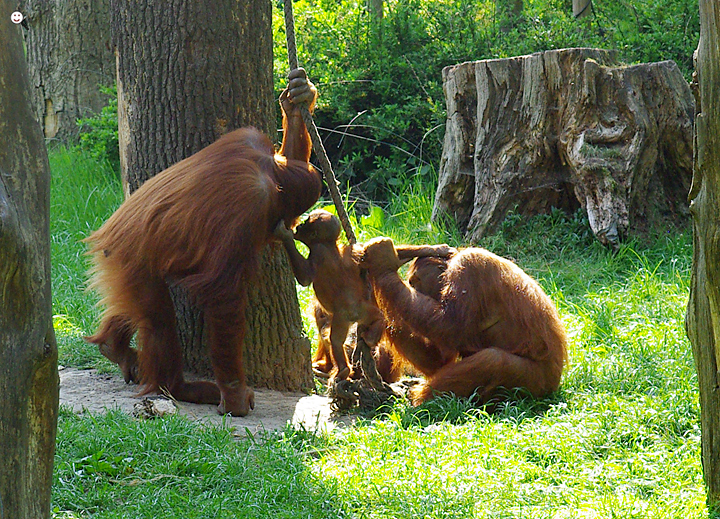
(389,367)
(341,286)
(471,324)
(338,282)
(201,224)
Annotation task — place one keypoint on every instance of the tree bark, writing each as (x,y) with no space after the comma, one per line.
(188,73)
(28,352)
(703,313)
(566,128)
(508,12)
(375,7)
(581,8)
(69,57)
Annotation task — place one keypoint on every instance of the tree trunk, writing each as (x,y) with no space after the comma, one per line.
(69,57)
(188,73)
(28,352)
(375,7)
(703,313)
(566,128)
(581,8)
(508,12)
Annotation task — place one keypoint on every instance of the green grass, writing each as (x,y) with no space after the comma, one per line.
(620,439)
(84,193)
(114,466)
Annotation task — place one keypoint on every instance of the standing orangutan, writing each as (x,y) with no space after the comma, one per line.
(339,283)
(201,224)
(471,323)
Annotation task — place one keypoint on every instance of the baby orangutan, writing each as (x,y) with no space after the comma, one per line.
(339,283)
(388,365)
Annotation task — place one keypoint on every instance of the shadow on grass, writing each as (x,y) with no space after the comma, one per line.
(111,465)
(510,405)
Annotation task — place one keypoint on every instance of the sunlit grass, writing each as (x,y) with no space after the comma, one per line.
(569,462)
(619,440)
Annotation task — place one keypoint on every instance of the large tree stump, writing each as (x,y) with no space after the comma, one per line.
(566,128)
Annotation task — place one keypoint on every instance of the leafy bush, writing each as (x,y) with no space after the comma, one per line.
(99,133)
(652,31)
(382,109)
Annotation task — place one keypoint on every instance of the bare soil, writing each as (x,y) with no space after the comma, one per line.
(95,392)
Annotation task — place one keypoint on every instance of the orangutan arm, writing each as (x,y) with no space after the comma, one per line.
(302,267)
(300,91)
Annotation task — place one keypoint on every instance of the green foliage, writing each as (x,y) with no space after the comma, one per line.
(381,106)
(99,133)
(382,110)
(651,31)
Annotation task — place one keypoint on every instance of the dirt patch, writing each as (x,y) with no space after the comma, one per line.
(91,391)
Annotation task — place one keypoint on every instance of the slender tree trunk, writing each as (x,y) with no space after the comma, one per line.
(28,352)
(581,8)
(508,12)
(703,314)
(69,57)
(188,73)
(375,7)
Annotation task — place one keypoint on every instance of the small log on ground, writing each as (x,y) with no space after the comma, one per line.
(566,128)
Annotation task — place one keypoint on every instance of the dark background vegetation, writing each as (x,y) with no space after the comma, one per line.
(382,111)
(382,104)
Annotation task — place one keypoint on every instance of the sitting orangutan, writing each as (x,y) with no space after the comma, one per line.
(471,323)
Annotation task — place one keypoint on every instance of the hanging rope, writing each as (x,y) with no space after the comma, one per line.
(320,152)
(369,392)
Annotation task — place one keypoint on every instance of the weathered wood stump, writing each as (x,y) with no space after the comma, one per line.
(566,128)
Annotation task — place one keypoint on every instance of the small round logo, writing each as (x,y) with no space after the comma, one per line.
(16,17)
